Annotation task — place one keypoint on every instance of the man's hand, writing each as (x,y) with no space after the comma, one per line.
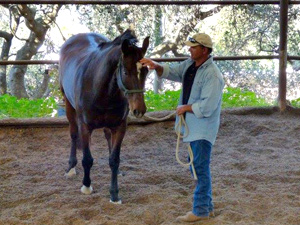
(149,63)
(152,65)
(183,108)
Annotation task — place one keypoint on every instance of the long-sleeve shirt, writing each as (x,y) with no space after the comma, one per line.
(205,98)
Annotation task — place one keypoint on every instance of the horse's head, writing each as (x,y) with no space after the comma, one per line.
(133,76)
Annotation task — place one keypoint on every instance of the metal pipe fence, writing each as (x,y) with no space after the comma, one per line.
(160,2)
(175,59)
(283,57)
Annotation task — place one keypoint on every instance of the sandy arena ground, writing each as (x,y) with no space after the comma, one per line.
(255,169)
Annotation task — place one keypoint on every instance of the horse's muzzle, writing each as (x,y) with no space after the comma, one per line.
(137,113)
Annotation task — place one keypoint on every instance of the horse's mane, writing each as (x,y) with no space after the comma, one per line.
(127,35)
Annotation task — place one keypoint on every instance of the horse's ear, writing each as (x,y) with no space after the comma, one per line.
(126,46)
(145,45)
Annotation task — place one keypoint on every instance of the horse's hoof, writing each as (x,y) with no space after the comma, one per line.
(71,173)
(86,190)
(121,174)
(116,203)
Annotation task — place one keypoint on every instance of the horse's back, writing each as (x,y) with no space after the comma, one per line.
(73,53)
(81,44)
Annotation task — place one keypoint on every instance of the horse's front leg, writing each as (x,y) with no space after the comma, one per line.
(114,160)
(87,161)
(107,133)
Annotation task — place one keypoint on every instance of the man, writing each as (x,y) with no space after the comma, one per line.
(200,103)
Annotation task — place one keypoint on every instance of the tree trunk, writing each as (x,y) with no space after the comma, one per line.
(158,83)
(3,83)
(4,56)
(40,93)
(38,28)
(17,72)
(16,81)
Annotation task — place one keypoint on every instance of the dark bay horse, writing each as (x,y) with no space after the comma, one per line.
(101,81)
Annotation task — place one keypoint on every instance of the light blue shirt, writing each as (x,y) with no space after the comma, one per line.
(205,98)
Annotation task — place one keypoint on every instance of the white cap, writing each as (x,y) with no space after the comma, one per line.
(200,39)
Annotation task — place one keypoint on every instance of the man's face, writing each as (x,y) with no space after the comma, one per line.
(197,52)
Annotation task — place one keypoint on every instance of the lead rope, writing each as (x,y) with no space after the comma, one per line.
(177,130)
(159,119)
(179,136)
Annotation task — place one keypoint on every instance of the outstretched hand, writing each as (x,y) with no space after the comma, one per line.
(152,65)
(149,63)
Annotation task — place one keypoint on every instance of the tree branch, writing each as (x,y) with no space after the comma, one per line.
(185,30)
(30,22)
(7,36)
(14,13)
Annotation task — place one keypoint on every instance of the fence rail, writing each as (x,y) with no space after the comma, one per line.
(131,2)
(175,59)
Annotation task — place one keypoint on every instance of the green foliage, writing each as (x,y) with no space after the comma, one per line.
(236,97)
(166,101)
(11,107)
(296,102)
(232,97)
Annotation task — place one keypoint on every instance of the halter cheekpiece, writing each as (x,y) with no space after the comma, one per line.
(120,82)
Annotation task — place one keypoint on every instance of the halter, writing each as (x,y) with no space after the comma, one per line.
(120,82)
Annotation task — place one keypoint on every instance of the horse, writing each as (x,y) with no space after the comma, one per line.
(101,82)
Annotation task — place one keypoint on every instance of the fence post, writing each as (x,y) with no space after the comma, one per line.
(283,54)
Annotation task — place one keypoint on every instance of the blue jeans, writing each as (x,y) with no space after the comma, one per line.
(202,204)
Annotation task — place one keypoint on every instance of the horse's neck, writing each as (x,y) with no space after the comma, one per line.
(107,80)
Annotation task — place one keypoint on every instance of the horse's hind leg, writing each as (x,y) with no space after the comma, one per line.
(71,115)
(87,161)
(114,160)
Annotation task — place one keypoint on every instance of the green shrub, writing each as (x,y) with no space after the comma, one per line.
(11,107)
(236,97)
(232,97)
(296,102)
(165,101)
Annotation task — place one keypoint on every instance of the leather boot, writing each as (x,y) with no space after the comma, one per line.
(191,217)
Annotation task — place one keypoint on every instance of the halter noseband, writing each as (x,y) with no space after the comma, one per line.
(120,82)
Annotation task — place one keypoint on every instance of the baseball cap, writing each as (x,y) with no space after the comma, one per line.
(200,39)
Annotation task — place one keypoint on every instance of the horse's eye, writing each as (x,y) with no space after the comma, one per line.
(125,72)
(144,71)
